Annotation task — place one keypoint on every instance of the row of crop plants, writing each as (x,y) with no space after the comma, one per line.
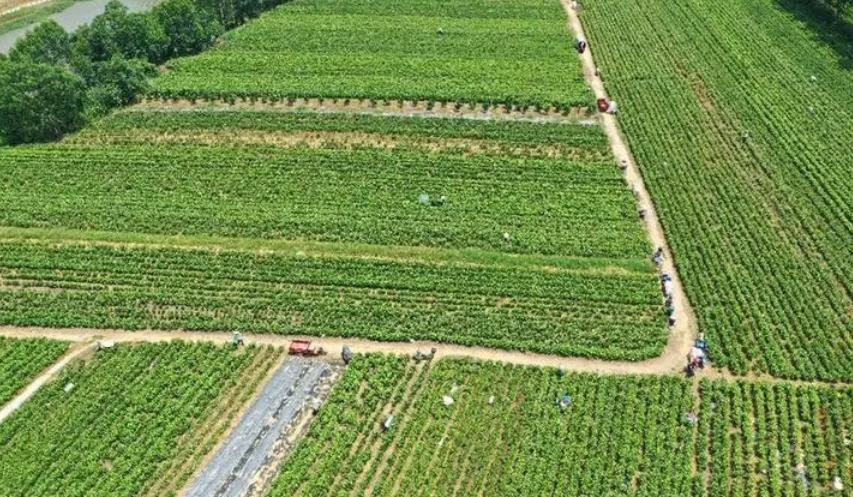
(471,428)
(21,360)
(370,195)
(425,50)
(762,439)
(136,420)
(595,311)
(737,114)
(139,419)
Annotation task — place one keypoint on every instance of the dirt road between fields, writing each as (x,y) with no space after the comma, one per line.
(670,362)
(686,328)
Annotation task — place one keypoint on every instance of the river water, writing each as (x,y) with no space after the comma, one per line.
(73,17)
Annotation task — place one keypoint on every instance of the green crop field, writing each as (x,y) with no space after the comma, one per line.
(739,114)
(775,440)
(483,52)
(364,171)
(288,186)
(137,421)
(21,360)
(503,435)
(316,224)
(595,310)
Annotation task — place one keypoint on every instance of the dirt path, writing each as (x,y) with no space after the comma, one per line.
(670,362)
(13,405)
(686,326)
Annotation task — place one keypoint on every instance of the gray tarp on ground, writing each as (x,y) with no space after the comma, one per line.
(230,472)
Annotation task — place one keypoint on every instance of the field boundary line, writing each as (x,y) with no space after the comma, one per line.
(441,110)
(76,351)
(686,328)
(23,6)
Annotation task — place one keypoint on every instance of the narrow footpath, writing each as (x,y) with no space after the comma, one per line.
(76,351)
(686,328)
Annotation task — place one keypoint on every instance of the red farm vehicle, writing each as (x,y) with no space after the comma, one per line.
(304,348)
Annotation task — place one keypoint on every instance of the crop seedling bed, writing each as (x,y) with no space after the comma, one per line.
(120,426)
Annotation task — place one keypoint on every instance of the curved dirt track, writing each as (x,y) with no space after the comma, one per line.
(670,362)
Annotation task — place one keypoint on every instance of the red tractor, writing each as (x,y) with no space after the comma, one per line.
(304,348)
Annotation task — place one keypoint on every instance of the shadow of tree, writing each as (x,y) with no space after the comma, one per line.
(825,25)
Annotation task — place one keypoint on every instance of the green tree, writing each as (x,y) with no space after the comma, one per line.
(143,38)
(117,32)
(839,8)
(189,28)
(48,43)
(103,31)
(117,82)
(39,102)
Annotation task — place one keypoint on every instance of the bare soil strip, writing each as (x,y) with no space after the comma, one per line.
(323,139)
(12,6)
(384,108)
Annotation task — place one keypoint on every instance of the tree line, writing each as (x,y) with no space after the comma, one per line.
(53,82)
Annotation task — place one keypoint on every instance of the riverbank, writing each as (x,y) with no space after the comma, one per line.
(70,14)
(18,15)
